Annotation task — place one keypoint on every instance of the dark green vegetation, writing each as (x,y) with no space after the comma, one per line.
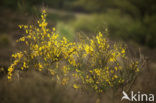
(126,19)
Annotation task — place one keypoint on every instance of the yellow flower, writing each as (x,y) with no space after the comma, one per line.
(123,51)
(111,59)
(115,76)
(64,81)
(76,86)
(54,29)
(52,72)
(40,67)
(44,11)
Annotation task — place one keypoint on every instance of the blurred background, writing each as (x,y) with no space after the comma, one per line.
(130,21)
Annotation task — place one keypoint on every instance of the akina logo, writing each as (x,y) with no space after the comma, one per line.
(140,97)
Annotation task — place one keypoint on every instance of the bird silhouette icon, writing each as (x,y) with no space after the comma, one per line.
(125,96)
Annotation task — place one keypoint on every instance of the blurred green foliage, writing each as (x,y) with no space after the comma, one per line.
(65,30)
(136,19)
(21,5)
(127,19)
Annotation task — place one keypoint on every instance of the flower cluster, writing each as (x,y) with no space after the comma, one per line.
(95,64)
(102,64)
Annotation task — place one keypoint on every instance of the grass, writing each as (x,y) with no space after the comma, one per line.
(35,87)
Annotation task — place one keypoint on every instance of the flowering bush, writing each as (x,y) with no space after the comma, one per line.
(95,64)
